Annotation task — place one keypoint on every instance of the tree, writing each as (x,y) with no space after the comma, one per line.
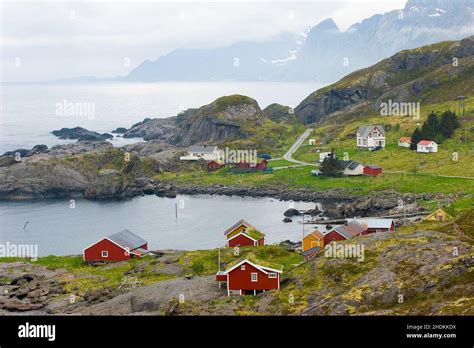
(330,166)
(430,128)
(415,138)
(448,124)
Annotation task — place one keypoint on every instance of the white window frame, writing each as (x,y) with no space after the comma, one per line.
(105,253)
(252,275)
(272,275)
(242,268)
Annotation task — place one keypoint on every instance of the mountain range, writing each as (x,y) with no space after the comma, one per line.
(324,54)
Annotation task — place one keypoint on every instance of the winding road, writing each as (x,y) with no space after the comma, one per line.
(288,156)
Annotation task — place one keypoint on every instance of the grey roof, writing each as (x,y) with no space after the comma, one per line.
(202,149)
(311,251)
(127,239)
(343,232)
(365,130)
(347,164)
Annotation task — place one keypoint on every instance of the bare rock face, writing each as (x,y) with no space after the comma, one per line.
(402,77)
(151,129)
(223,119)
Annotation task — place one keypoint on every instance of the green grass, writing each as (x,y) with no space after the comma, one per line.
(279,163)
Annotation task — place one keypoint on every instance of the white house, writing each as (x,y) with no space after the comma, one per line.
(404,142)
(426,146)
(370,136)
(350,167)
(205,152)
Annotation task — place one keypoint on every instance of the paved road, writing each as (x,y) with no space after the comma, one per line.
(289,154)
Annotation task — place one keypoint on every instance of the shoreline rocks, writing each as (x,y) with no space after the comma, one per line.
(80,133)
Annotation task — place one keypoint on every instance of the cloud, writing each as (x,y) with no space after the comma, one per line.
(61,39)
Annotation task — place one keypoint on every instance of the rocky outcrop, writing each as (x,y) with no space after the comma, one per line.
(279,113)
(153,129)
(25,152)
(80,133)
(226,118)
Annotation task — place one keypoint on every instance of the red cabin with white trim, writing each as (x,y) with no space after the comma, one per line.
(247,277)
(120,246)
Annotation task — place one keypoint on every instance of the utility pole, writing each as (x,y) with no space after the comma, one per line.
(302,240)
(176,210)
(461,99)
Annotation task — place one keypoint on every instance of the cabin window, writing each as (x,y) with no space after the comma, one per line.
(242,268)
(105,253)
(253,277)
(272,275)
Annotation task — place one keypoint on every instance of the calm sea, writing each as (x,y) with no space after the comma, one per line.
(29,112)
(58,229)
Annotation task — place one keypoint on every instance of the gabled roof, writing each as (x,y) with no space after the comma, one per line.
(436,212)
(237,225)
(426,142)
(352,229)
(365,130)
(253,233)
(405,140)
(316,234)
(375,223)
(261,265)
(347,164)
(202,149)
(127,240)
(311,251)
(343,232)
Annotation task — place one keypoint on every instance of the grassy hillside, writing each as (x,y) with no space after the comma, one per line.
(341,137)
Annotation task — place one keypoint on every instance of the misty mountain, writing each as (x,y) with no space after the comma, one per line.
(326,54)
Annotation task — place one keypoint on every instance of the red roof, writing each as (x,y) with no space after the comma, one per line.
(425,142)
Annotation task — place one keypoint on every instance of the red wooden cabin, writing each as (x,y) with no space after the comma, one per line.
(244,234)
(117,247)
(248,277)
(378,225)
(372,170)
(213,165)
(343,232)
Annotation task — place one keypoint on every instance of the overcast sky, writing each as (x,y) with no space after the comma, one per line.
(43,40)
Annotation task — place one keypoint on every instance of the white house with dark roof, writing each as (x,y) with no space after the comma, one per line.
(370,136)
(350,167)
(205,152)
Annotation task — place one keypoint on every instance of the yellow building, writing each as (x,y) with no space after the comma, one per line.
(438,215)
(314,239)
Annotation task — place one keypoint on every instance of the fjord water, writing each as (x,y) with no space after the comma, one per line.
(201,220)
(28,115)
(28,112)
